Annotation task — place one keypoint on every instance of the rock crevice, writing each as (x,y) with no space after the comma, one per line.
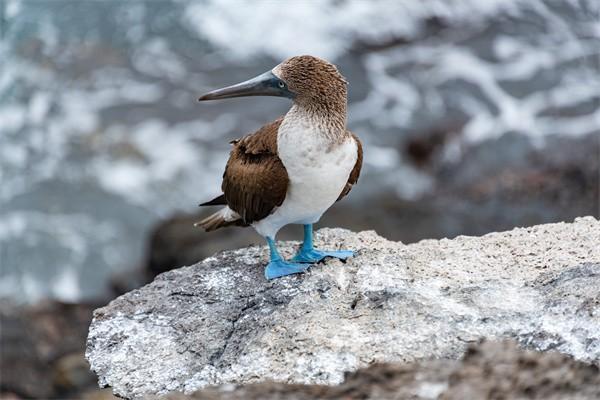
(220,321)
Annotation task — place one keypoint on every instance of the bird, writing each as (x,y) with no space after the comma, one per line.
(291,170)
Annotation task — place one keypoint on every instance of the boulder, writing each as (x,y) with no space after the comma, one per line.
(220,321)
(42,350)
(489,370)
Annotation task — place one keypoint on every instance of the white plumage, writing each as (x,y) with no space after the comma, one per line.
(317,167)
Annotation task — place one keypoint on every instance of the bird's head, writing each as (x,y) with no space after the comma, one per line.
(305,79)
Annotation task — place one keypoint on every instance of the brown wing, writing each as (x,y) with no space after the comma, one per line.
(255,180)
(355,173)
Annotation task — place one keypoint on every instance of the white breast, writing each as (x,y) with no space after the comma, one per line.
(317,170)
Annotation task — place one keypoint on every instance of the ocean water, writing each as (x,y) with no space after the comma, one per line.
(101,135)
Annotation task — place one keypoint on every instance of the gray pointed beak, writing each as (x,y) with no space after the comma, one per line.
(267,84)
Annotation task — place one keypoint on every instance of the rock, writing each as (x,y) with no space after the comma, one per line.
(501,371)
(24,371)
(42,350)
(176,242)
(104,394)
(498,370)
(72,372)
(220,321)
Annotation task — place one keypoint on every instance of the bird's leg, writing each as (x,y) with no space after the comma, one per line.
(277,266)
(308,254)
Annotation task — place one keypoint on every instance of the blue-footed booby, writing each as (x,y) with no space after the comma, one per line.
(293,169)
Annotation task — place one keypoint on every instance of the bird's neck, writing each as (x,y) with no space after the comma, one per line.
(324,118)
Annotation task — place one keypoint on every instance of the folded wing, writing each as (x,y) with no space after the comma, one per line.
(255,181)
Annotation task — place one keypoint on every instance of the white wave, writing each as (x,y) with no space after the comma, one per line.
(13,7)
(155,58)
(32,277)
(325,28)
(65,286)
(435,77)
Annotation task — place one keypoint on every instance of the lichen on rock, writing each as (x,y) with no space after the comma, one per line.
(219,321)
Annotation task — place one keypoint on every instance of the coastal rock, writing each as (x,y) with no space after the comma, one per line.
(489,370)
(219,321)
(42,350)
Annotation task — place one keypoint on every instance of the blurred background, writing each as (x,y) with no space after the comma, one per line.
(475,116)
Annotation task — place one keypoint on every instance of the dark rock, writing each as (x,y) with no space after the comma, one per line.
(176,242)
(24,370)
(490,370)
(42,350)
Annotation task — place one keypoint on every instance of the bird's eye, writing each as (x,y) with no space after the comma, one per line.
(281,84)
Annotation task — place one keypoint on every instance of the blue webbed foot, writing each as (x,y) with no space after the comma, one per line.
(314,256)
(279,268)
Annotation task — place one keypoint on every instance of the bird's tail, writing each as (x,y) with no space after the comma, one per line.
(224,217)
(217,201)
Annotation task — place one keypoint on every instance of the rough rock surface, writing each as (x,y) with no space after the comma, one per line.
(490,370)
(220,321)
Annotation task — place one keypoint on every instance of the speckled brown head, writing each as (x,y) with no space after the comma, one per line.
(312,80)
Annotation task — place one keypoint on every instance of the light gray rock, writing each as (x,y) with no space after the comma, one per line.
(220,321)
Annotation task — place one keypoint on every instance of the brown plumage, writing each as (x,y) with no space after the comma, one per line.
(255,180)
(321,89)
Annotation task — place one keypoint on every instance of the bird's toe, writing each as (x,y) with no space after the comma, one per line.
(314,256)
(279,268)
